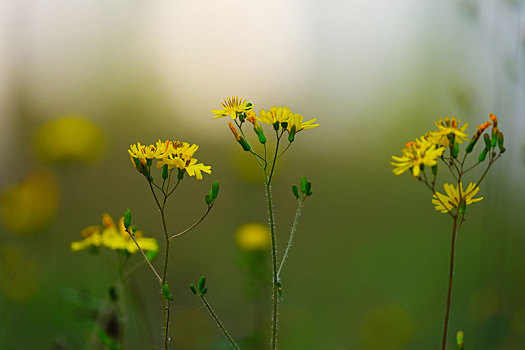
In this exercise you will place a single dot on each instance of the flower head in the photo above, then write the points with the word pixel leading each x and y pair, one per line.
pixel 445 203
pixel 275 115
pixel 232 106
pixel 252 237
pixel 448 126
pixel 113 237
pixel 296 120
pixel 415 154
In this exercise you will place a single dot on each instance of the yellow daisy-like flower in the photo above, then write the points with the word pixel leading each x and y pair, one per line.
pixel 275 114
pixel 415 154
pixel 180 155
pixel 113 237
pixel 445 203
pixel 448 126
pixel 231 106
pixel 144 152
pixel 296 120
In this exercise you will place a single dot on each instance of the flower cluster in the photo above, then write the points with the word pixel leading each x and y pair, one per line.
pixel 281 118
pixel 431 147
pixel 169 154
pixel 114 237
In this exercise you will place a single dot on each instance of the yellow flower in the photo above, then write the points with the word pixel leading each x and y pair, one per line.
pixel 144 152
pixel 297 121
pixel 70 138
pixel 232 106
pixel 415 154
pixel 275 114
pixel 180 155
pixel 445 203
pixel 445 127
pixel 113 237
pixel 252 237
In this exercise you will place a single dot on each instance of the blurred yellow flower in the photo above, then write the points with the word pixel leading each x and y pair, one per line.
pixel 113 237
pixel 296 120
pixel 275 114
pixel 252 237
pixel 231 106
pixel 69 138
pixel 445 203
pixel 31 205
pixel 446 127
pixel 415 154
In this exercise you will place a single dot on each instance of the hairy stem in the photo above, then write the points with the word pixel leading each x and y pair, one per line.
pixel 455 229
pixel 275 300
pixel 292 234
pixel 219 323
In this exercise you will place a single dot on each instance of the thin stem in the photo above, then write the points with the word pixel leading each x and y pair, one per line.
pixel 487 169
pixel 219 323
pixel 274 157
pixel 455 229
pixel 192 226
pixel 145 257
pixel 275 301
pixel 174 187
pixel 292 233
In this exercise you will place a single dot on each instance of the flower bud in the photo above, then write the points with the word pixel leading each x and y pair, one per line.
pixel 215 189
pixel 487 140
pixel 472 143
pixel 291 134
pixel 304 181
pixel 202 284
pixel 127 218
pixel 193 289
pixel 500 140
pixel 295 191
pixel 460 341
pixel 483 154
pixel 455 150
pixel 166 292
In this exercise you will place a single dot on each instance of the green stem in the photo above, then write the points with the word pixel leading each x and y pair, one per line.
pixel 455 229
pixel 275 300
pixel 292 233
pixel 219 323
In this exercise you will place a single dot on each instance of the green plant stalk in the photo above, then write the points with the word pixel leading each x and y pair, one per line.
pixel 292 234
pixel 275 300
pixel 219 323
pixel 455 229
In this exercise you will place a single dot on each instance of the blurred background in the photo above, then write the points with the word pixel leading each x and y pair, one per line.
pixel 82 80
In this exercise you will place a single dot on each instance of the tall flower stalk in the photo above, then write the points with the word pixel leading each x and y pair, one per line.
pixel 285 125
pixel 443 145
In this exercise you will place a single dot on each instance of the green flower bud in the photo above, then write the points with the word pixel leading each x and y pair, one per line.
pixel 471 144
pixel 215 189
pixel 180 174
pixel 455 150
pixel 308 188
pixel 245 145
pixel 202 283
pixel 134 228
pixel 165 172
pixel 500 140
pixel 291 134
pixel 460 341
pixel 502 150
pixel 167 293
pixel 260 133
pixel 127 218
pixel 486 138
pixel 204 290
pixel 193 289
pixel 295 191
pixel 208 199
pixel 483 154
pixel 304 181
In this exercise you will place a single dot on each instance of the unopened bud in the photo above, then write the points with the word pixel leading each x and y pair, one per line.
pixel 500 140
pixel 304 182
pixel 291 134
pixel 127 218
pixel 483 154
pixel 193 289
pixel 295 191
pixel 215 189
pixel 245 145
pixel 455 150
pixel 460 341
pixel 486 138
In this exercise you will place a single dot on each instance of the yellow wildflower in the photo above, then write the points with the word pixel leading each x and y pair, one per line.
pixel 180 155
pixel 297 121
pixel 252 237
pixel 445 203
pixel 232 106
pixel 415 154
pixel 446 127
pixel 113 237
pixel 275 114
pixel 144 152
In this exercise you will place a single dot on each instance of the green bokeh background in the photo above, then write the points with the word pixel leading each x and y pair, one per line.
pixel 369 266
